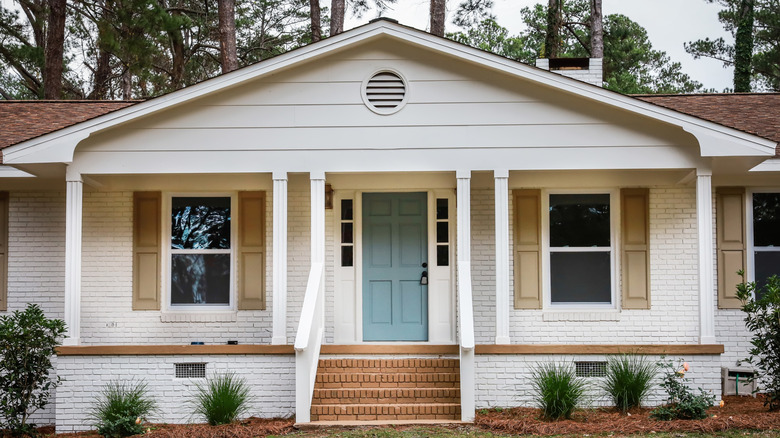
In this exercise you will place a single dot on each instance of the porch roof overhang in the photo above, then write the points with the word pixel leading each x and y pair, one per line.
pixel 714 140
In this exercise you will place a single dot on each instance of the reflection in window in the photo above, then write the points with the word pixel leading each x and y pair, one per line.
pixel 766 236
pixel 200 251
pixel 580 249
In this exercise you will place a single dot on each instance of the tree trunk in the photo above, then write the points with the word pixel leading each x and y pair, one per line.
pixel 316 29
pixel 596 30
pixel 127 84
pixel 102 73
pixel 227 35
pixel 438 16
pixel 743 47
pixel 336 17
pixel 554 18
pixel 55 47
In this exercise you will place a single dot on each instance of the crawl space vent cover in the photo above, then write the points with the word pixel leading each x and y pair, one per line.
pixel 385 92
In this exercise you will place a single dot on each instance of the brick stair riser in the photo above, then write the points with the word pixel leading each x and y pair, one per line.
pixel 387 364
pixel 385 412
pixel 388 395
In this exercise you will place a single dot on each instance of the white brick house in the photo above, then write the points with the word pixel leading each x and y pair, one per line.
pixel 438 201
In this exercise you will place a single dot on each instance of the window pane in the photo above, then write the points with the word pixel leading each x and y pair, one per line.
pixel 580 277
pixel 442 232
pixel 766 219
pixel 346 209
pixel 200 223
pixel 200 279
pixel 767 265
pixel 346 256
pixel 441 208
pixel 346 232
pixel 579 220
pixel 442 255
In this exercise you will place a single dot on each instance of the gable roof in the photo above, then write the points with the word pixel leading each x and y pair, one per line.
pixel 714 139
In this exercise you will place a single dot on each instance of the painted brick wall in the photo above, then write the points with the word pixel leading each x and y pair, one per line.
pixel 674 287
pixel 107 262
pixel 506 381
pixel 272 379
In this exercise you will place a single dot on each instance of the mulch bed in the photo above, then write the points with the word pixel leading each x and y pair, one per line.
pixel 251 427
pixel 737 413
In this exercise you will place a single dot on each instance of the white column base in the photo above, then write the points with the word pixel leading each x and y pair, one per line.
pixel 502 340
pixel 708 340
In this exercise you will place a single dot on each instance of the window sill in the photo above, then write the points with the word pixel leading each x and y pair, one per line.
pixel 551 316
pixel 184 316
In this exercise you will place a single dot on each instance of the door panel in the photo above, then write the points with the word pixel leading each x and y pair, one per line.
pixel 395 246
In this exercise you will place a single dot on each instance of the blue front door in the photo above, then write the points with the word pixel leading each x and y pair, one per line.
pixel 395 248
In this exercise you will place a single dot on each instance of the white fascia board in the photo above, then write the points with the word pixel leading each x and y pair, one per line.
pixel 714 139
pixel 770 165
pixel 11 172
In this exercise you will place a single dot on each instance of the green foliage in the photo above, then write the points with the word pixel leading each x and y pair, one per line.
pixel 122 408
pixel 762 309
pixel 27 341
pixel 682 403
pixel 629 379
pixel 743 47
pixel 557 389
pixel 223 399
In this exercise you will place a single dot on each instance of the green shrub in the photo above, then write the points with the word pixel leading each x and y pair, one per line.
pixel 122 408
pixel 763 319
pixel 682 403
pixel 629 379
pixel 27 341
pixel 557 389
pixel 223 399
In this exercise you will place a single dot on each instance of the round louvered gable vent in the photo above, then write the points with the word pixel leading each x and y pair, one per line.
pixel 385 92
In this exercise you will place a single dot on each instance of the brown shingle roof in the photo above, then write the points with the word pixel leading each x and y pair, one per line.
pixel 754 113
pixel 22 120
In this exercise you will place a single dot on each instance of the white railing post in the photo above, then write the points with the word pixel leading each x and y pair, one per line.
pixel 465 309
pixel 502 255
pixel 74 211
pixel 279 280
pixel 706 258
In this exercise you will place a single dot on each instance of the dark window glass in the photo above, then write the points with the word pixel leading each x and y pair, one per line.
pixel 346 209
pixel 580 220
pixel 200 223
pixel 766 219
pixel 200 279
pixel 442 211
pixel 767 264
pixel 346 256
pixel 442 232
pixel 580 277
pixel 346 232
pixel 442 255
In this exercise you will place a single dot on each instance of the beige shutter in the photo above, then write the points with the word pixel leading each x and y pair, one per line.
pixel 251 250
pixel 528 248
pixel 634 248
pixel 3 251
pixel 147 249
pixel 730 229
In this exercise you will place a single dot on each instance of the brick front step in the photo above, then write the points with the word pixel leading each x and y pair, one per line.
pixel 416 411
pixel 389 365
pixel 386 395
pixel 373 380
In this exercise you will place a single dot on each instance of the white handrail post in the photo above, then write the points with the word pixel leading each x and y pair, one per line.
pixel 466 317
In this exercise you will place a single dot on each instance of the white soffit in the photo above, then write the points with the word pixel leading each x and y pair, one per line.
pixel 770 165
pixel 11 172
pixel 714 139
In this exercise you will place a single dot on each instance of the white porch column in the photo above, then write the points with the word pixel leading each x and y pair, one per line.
pixel 463 203
pixel 502 255
pixel 706 260
pixel 317 217
pixel 280 259
pixel 74 211
pixel 465 315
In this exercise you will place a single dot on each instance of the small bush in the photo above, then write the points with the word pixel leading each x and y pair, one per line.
pixel 682 403
pixel 27 341
pixel 629 379
pixel 557 389
pixel 762 308
pixel 223 399
pixel 122 408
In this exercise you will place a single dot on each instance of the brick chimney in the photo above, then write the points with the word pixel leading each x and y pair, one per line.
pixel 588 70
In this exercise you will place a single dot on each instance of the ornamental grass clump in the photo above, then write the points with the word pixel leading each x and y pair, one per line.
pixel 629 380
pixel 222 399
pixel 682 403
pixel 557 390
pixel 122 409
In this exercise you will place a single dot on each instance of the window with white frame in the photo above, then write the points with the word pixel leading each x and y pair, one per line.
pixel 580 249
pixel 200 251
pixel 766 236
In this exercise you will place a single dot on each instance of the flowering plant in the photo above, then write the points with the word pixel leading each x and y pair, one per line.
pixel 683 403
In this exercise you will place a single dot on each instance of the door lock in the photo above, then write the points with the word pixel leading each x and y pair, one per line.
pixel 424 278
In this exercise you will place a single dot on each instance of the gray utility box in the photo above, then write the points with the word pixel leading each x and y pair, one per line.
pixel 737 381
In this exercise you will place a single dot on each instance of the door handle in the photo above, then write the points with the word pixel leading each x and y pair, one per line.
pixel 424 278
